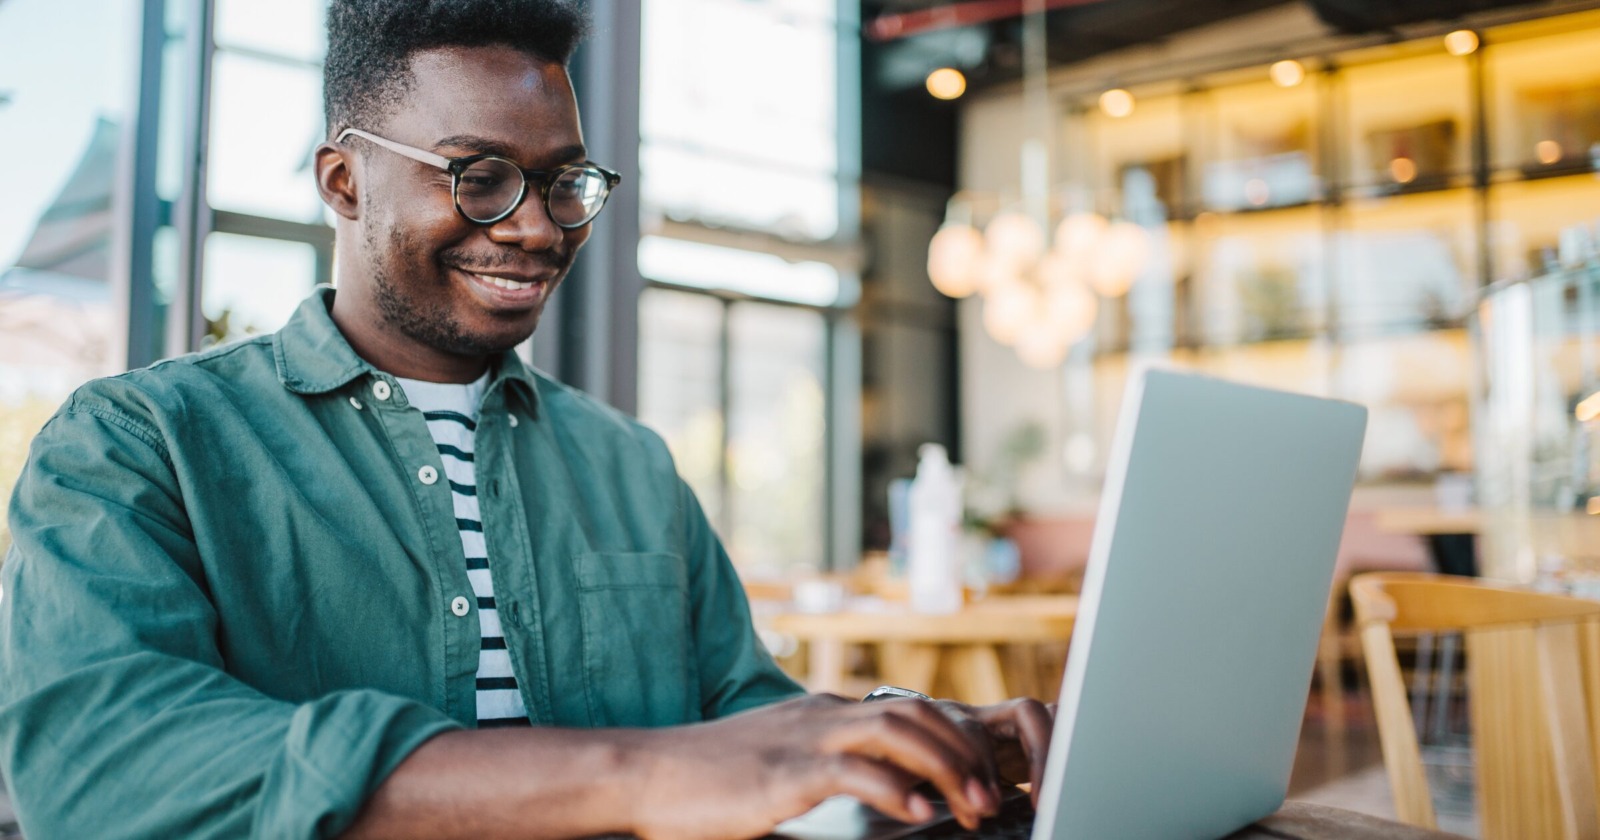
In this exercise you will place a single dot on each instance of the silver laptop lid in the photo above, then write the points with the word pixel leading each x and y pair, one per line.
pixel 1208 578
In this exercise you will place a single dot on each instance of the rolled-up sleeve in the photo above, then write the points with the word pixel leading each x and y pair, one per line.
pixel 117 715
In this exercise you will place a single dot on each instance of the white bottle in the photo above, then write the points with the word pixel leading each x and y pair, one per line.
pixel 934 553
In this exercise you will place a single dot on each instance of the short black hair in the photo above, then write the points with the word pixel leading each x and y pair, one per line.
pixel 371 42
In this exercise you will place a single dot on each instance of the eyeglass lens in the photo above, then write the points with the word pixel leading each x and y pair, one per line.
pixel 487 189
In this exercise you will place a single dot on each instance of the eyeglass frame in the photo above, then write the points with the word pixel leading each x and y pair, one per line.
pixel 457 165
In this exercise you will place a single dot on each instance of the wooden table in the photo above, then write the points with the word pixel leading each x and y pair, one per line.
pixel 1305 821
pixel 916 650
pixel 1294 821
pixel 1429 521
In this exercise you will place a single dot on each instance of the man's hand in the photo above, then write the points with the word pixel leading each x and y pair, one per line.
pixel 1016 735
pixel 742 775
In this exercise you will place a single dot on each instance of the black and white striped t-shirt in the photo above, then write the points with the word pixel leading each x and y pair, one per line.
pixel 452 415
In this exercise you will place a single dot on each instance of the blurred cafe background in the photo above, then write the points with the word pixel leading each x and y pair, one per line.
pixel 849 228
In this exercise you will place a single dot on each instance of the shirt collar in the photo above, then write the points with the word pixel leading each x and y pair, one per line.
pixel 314 358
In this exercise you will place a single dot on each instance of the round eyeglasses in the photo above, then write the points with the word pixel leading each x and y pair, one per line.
pixel 488 188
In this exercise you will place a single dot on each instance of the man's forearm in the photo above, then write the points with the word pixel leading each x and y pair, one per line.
pixel 523 783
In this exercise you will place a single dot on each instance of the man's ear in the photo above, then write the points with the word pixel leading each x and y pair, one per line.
pixel 336 179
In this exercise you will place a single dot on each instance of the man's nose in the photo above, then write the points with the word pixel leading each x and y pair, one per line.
pixel 530 227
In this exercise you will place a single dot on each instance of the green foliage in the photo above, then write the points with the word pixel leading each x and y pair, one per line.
pixel 18 424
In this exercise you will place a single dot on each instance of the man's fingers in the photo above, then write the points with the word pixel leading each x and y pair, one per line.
pixel 942 718
pixel 1034 727
pixel 884 787
pixel 977 735
pixel 1026 724
pixel 897 740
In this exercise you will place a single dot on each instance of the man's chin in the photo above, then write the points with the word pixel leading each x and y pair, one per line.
pixel 488 345
pixel 505 335
pixel 474 343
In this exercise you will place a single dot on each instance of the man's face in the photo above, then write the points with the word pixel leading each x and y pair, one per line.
pixel 436 278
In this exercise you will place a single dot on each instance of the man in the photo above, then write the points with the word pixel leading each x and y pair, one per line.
pixel 321 582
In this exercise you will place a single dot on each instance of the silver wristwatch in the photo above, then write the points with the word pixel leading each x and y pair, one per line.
pixel 889 692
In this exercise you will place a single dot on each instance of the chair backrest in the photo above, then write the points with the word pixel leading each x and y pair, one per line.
pixel 1533 683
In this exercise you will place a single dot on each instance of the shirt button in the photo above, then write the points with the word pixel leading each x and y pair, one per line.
pixel 427 475
pixel 513 421
pixel 355 402
pixel 460 606
pixel 381 390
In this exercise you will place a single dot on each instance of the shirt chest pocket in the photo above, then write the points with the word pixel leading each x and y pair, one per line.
pixel 638 643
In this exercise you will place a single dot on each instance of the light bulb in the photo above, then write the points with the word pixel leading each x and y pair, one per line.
pixel 1042 347
pixel 1079 234
pixel 1461 42
pixel 1071 308
pixel 946 83
pixel 1007 310
pixel 1057 270
pixel 1014 239
pixel 1116 103
pixel 1403 170
pixel 955 260
pixel 1548 151
pixel 1121 257
pixel 1287 73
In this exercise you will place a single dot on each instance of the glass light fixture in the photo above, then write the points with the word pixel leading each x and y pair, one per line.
pixel 1042 347
pixel 1014 238
pixel 1008 308
pixel 1116 103
pixel 946 83
pixel 1070 308
pixel 1078 234
pixel 955 260
pixel 1548 152
pixel 1403 170
pixel 1120 258
pixel 1287 73
pixel 1461 42
pixel 1038 272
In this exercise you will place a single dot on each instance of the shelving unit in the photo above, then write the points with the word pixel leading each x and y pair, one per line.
pixel 1334 236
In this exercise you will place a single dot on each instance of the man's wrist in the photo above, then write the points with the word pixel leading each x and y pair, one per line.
pixel 637 757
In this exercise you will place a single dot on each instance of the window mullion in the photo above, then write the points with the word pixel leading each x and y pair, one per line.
pixel 725 406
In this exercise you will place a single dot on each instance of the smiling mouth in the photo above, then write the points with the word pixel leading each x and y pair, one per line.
pixel 499 292
pixel 503 282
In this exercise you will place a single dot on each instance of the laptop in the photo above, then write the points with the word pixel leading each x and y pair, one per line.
pixel 1197 629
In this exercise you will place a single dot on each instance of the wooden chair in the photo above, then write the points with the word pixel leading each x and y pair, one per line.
pixel 1533 683
pixel 1365 546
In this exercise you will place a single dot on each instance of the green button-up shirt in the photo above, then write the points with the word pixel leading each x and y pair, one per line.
pixel 228 608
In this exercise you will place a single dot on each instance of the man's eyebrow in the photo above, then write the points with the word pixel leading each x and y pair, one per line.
pixel 485 146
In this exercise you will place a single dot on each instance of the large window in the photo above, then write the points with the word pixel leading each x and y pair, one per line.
pixel 64 119
pixel 270 244
pixel 739 391
pixel 110 253
pixel 748 210
pixel 776 457
pixel 756 148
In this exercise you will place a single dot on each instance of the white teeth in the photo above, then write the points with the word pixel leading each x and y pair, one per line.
pixel 503 283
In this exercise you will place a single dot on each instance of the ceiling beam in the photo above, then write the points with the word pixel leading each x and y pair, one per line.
pixel 970 13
